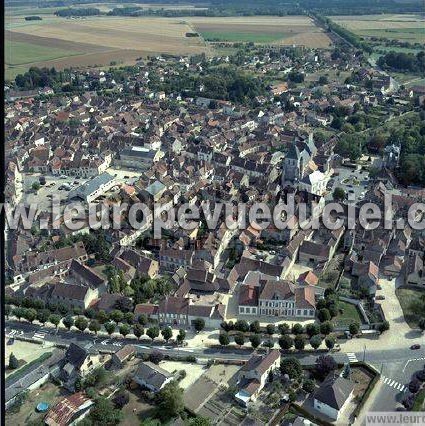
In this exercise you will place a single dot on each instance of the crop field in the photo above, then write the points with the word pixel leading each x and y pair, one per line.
pixel 408 28
pixel 103 40
pixel 288 30
pixel 94 41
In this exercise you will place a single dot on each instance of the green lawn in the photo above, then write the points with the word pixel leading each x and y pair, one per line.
pixel 407 296
pixel 403 34
pixel 242 36
pixel 350 314
pixel 418 405
pixel 20 53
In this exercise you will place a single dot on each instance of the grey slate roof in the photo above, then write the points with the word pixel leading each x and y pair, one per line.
pixel 334 391
pixel 152 374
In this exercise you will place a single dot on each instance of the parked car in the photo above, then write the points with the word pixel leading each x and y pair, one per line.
pixel 380 297
pixel 413 347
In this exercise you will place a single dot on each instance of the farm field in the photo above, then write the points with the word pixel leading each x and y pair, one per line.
pixel 298 30
pixel 95 41
pixel 410 28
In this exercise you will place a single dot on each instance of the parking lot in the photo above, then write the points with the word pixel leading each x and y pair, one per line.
pixel 353 181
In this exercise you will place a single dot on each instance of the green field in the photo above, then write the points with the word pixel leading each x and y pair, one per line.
pixel 413 35
pixel 350 314
pixel 20 53
pixel 241 36
pixel 406 297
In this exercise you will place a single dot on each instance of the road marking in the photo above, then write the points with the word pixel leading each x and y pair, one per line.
pixel 12 333
pixel 117 344
pixel 104 342
pixel 39 335
pixel 352 357
pixel 394 384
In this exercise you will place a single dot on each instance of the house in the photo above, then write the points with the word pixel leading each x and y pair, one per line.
pixel 254 374
pixel 69 410
pixel 77 363
pixel 122 355
pixel 279 298
pixel 31 378
pixel 151 376
pixel 170 260
pixel 415 271
pixel 72 295
pixel 333 396
pixel 176 310
pixel 367 274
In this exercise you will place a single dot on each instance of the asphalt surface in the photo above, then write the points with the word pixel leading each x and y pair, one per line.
pixel 396 366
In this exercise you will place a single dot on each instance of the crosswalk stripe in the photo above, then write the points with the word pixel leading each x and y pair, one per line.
pixel 387 380
pixel 392 382
pixel 400 387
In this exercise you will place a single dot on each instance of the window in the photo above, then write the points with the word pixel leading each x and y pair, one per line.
pixel 241 309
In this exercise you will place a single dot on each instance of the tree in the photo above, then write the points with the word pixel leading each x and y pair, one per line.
pixel 94 326
pixel 200 421
pixel 13 362
pixel 283 328
pixel 102 316
pixel 30 314
pixel 152 332
pixel 297 328
pixel 254 327
pixel 223 339
pixel 255 340
pixel 81 323
pixel 338 194
pixel 354 328
pixel 421 324
pixel 110 327
pixel 312 329
pixel 43 315
pixel 198 324
pixel 19 313
pixel 181 336
pixel 268 343
pixel 330 342
pixel 124 329
pixel 384 326
pixel 270 329
pixel 326 328
pixel 55 320
pixel 129 317
pixel 309 385
pixel 35 186
pixel 286 342
pixel 292 367
pixel 299 342
pixel 167 333
pixel 7 311
pixel 156 357
pixel 239 339
pixel 325 364
pixel 170 401
pixel 324 315
pixel 138 331
pixel 68 322
pixel 315 341
pixel 104 413
pixel 242 326
pixel 142 320
pixel 121 399
pixel 116 316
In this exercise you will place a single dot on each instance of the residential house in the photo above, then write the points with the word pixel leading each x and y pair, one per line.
pixel 254 375
pixel 333 395
pixel 151 376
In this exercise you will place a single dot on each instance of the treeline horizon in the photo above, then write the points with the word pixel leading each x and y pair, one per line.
pixel 252 7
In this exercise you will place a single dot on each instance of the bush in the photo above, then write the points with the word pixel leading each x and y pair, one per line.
pixel 309 385
pixel 299 342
